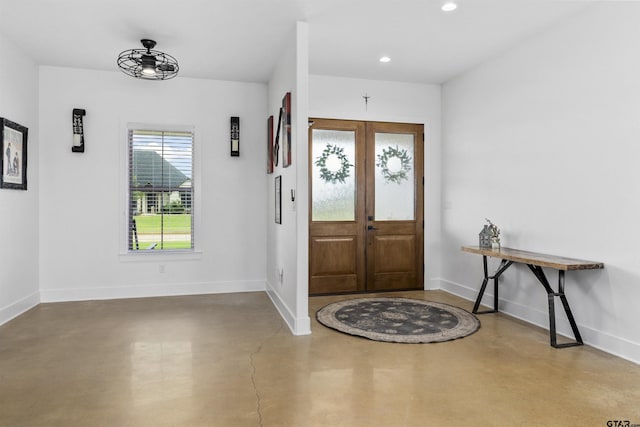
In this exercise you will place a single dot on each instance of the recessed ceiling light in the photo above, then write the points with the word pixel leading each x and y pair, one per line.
pixel 449 6
pixel 385 59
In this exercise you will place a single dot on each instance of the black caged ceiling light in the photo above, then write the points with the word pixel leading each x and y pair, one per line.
pixel 147 63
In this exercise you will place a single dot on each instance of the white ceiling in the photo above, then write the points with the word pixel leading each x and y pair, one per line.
pixel 242 39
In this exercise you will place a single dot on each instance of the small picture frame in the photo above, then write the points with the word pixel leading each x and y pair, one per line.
pixel 13 162
pixel 278 205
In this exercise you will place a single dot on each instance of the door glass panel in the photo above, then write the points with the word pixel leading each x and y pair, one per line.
pixel 394 177
pixel 333 182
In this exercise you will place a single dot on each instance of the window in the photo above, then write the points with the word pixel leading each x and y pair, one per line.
pixel 160 190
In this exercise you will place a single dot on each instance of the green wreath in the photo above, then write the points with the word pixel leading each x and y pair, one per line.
pixel 333 176
pixel 397 175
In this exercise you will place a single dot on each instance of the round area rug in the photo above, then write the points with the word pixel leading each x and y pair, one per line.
pixel 401 320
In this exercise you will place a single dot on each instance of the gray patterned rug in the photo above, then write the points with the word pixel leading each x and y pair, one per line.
pixel 401 320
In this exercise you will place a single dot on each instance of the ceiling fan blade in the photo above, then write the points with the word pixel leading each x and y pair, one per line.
pixel 166 67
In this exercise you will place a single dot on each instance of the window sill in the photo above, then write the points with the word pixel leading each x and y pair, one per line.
pixel 155 256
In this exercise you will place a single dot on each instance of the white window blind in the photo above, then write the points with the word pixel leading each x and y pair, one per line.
pixel 160 190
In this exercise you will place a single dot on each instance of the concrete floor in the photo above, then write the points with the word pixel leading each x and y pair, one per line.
pixel 228 360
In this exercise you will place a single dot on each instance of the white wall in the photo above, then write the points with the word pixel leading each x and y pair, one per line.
pixel 287 243
pixel 544 140
pixel 19 209
pixel 82 205
pixel 342 98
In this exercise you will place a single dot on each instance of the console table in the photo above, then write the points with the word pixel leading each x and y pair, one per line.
pixel 535 262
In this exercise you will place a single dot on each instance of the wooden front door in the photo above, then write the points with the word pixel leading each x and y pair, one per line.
pixel 366 210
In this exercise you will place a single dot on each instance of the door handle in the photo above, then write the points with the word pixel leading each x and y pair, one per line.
pixel 371 227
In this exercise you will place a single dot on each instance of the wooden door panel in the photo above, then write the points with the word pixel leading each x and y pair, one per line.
pixel 395 227
pixel 391 281
pixel 334 285
pixel 334 256
pixel 336 264
pixel 395 254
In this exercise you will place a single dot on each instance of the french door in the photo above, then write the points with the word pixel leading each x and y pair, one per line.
pixel 366 207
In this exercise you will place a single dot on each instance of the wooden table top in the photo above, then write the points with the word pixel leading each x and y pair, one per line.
pixel 534 258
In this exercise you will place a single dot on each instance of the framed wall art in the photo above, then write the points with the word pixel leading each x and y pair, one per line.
pixel 278 192
pixel 276 144
pixel 286 143
pixel 14 155
pixel 270 144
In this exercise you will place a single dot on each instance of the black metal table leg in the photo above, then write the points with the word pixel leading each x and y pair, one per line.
pixel 542 278
pixel 567 310
pixel 485 280
pixel 504 264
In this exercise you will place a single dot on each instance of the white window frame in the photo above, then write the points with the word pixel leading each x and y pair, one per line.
pixel 152 255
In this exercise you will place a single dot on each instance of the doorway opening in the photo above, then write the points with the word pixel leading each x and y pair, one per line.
pixel 366 225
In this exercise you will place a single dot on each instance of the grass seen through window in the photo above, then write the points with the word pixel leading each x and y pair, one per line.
pixel 166 231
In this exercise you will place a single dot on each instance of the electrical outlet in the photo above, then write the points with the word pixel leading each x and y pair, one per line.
pixel 161 268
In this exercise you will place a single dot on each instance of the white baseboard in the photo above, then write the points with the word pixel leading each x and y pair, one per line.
pixel 298 326
pixel 16 308
pixel 142 291
pixel 432 284
pixel 604 341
